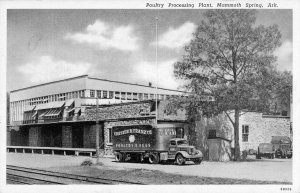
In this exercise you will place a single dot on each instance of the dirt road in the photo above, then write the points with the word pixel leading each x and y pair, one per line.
pixel 266 170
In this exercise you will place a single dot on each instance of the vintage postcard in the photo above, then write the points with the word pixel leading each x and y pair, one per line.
pixel 193 96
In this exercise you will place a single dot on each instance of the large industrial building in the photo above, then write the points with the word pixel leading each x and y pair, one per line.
pixel 61 114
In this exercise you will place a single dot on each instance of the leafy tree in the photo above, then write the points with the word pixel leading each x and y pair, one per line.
pixel 229 58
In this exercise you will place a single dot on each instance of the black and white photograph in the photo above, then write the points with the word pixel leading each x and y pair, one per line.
pixel 180 94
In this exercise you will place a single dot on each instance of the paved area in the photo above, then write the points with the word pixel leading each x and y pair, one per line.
pixel 267 170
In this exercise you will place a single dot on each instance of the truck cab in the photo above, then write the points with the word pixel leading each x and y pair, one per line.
pixel 283 146
pixel 265 150
pixel 181 151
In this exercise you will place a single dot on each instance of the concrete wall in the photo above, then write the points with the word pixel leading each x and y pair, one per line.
pixel 219 150
pixel 56 87
pixel 200 130
pixel 8 137
pixel 35 136
pixel 100 84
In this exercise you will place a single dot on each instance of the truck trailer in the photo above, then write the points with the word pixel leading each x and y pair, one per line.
pixel 152 144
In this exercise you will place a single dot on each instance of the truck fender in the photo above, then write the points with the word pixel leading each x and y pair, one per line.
pixel 183 153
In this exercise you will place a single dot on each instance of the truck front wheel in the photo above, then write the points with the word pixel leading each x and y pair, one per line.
pixel 180 160
pixel 153 159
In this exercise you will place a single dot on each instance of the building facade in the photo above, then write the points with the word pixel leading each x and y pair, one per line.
pixel 63 113
pixel 73 94
pixel 254 128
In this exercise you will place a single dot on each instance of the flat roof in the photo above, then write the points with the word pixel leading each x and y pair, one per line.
pixel 87 76
pixel 47 83
pixel 134 84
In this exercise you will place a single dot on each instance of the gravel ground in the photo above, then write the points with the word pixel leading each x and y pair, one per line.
pixel 279 170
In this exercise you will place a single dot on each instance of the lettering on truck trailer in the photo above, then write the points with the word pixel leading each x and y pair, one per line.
pixel 127 131
pixel 137 145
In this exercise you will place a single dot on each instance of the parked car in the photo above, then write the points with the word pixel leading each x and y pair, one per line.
pixel 265 150
pixel 283 146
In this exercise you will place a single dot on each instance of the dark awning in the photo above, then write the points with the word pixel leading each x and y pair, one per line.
pixel 34 114
pixel 57 104
pixel 43 106
pixel 54 112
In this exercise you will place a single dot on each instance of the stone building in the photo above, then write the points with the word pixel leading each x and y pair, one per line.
pixel 254 128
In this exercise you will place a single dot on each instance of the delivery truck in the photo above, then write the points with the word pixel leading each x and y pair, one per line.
pixel 152 144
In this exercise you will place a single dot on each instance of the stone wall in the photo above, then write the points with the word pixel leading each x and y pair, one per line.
pixel 35 136
pixel 119 111
pixel 180 114
pixel 262 128
pixel 66 136
pixel 134 110
pixel 108 148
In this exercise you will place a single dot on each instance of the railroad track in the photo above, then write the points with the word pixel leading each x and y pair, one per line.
pixel 24 175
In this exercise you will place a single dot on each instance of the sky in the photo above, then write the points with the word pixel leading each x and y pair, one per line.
pixel 48 45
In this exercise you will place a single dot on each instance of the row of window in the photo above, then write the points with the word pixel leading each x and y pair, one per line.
pixel 57 97
pixel 125 95
pixel 17 109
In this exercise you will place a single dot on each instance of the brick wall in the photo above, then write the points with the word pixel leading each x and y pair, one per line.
pixel 66 136
pixel 8 138
pixel 89 136
pixel 35 136
pixel 86 136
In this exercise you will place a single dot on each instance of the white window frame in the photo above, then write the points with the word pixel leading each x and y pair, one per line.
pixel 244 133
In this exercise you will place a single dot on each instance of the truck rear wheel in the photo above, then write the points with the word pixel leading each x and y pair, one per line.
pixel 180 160
pixel 197 161
pixel 153 159
pixel 120 157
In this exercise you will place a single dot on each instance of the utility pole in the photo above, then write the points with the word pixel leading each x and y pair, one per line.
pixel 97 132
pixel 156 55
